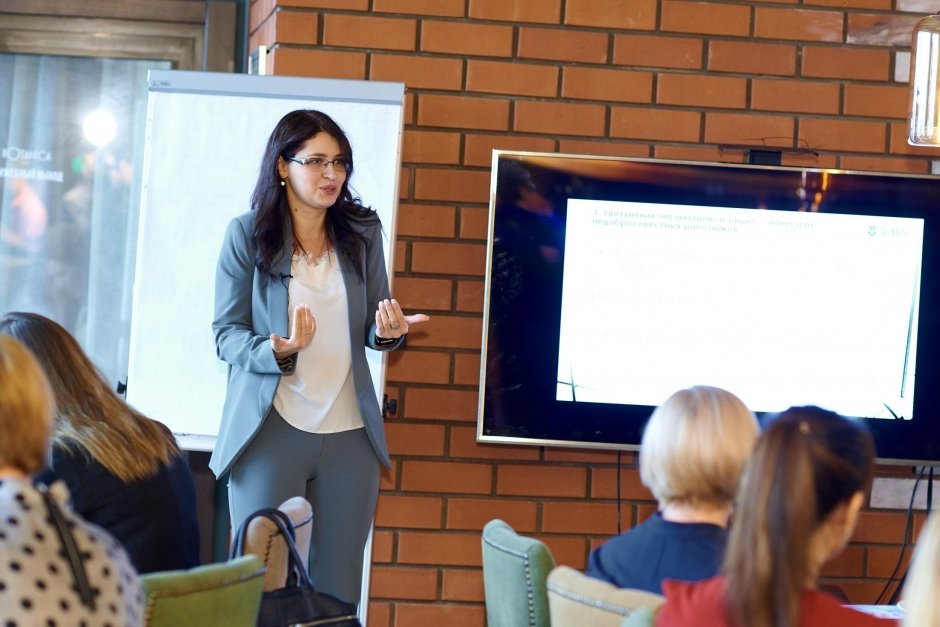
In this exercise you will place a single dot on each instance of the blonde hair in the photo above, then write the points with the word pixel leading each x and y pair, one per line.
pixel 90 414
pixel 921 603
pixel 695 447
pixel 26 408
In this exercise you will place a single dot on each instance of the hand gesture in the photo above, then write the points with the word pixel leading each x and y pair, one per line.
pixel 302 328
pixel 390 322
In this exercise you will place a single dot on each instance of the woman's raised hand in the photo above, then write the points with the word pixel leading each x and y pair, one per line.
pixel 302 328
pixel 390 322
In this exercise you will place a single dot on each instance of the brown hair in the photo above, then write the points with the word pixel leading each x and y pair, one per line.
pixel 91 415
pixel 808 462
pixel 26 408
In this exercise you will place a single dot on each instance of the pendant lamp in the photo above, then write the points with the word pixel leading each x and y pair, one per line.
pixel 925 78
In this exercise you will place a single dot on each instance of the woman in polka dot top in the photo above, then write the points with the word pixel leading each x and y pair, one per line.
pixel 37 586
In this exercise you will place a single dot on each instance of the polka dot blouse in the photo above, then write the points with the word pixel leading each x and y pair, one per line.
pixel 37 588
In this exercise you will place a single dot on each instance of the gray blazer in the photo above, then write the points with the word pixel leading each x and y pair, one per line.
pixel 249 308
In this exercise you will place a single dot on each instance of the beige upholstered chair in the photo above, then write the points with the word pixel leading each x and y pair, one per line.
pixel 574 599
pixel 264 540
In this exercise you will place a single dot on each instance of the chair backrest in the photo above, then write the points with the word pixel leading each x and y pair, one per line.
pixel 228 593
pixel 575 599
pixel 515 569
pixel 264 540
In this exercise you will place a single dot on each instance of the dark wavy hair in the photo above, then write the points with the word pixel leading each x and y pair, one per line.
pixel 269 199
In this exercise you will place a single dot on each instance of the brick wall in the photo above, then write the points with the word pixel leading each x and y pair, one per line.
pixel 640 78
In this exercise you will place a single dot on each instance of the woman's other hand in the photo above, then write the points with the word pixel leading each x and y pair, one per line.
pixel 390 322
pixel 303 326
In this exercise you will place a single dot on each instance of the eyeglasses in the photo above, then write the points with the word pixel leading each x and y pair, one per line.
pixel 339 165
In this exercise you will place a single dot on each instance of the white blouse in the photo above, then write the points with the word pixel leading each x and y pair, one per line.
pixel 320 397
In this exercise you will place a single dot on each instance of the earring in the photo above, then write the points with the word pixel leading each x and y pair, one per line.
pixel 283 184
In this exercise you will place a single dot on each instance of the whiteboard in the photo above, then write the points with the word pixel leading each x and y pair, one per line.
pixel 205 137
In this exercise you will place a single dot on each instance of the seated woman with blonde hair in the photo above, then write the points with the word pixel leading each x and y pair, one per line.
pixel 125 471
pixel 921 598
pixel 38 585
pixel 693 452
pixel 798 505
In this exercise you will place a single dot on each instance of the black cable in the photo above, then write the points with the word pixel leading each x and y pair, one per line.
pixel 897 590
pixel 907 530
pixel 619 522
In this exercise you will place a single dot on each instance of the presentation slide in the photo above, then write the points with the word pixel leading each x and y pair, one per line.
pixel 781 308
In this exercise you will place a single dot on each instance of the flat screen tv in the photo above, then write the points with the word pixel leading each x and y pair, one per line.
pixel 612 283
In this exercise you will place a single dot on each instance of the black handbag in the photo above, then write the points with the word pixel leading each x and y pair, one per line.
pixel 297 604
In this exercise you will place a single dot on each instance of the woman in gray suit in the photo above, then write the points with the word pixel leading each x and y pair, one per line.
pixel 301 291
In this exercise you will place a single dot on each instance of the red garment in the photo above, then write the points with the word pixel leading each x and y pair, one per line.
pixel 703 604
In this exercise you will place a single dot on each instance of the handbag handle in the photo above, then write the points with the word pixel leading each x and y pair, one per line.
pixel 297 574
pixel 69 548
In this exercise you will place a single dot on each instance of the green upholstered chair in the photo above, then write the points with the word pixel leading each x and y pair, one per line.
pixel 228 593
pixel 574 600
pixel 515 569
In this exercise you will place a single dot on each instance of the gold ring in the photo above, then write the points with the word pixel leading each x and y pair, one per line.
pixel 395 326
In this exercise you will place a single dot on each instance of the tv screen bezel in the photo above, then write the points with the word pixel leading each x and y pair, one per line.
pixel 904 442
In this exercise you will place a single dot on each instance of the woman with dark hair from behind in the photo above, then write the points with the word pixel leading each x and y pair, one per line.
pixel 125 471
pixel 798 505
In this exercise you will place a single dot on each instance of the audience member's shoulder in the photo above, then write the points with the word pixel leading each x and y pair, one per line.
pixel 700 603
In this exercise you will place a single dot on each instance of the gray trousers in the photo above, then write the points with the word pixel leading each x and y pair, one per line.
pixel 337 472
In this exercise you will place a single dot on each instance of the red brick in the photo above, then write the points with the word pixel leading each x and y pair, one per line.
pixel 900 146
pixel 389 477
pixel 647 51
pixel 467 369
pixel 584 455
pixel 465 259
pixel 798 24
pixel 380 614
pixel 859 591
pixel 529 480
pixel 440 403
pixel 449 477
pixel 579 517
pixel 879 528
pixel 359 31
pixel 463 444
pixel 462 584
pixel 450 332
pixel 317 63
pixel 454 185
pixel 706 18
pixel 655 123
pixel 424 294
pixel 478 149
pixel 881 29
pixel 755 130
pixel 418 366
pixel 484 40
pixel 414 584
pixel 846 63
pixel 383 546
pixel 696 90
pixel 543 11
pixel 604 84
pixel 520 79
pixel 852 4
pixel 849 563
pixel 796 96
pixel 604 485
pixel 412 439
pixel 879 101
pixel 869 163
pixel 882 560
pixel 444 8
pixel 418 72
pixel 843 135
pixel 712 154
pixel 475 513
pixel 809 160
pixel 451 549
pixel 426 220
pixel 559 118
pixel 564 45
pixel 470 296
pixel 603 147
pixel 752 58
pixel 463 112
pixel 434 615
pixel 264 35
pixel 474 224
pixel 570 551
pixel 294 27
pixel 410 512
pixel 611 14
pixel 409 114
pixel 350 5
